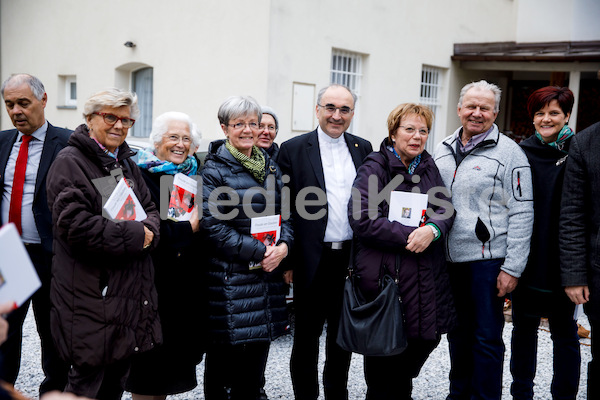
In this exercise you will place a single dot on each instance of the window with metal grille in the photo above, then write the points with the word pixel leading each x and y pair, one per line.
pixel 431 91
pixel 143 87
pixel 346 69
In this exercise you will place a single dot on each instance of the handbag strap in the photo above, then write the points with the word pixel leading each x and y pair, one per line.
pixel 351 259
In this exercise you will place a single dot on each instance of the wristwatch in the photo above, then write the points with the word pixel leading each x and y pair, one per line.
pixel 436 231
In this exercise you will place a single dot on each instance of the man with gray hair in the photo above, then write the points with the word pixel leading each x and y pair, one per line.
pixel 488 246
pixel 25 157
pixel 321 166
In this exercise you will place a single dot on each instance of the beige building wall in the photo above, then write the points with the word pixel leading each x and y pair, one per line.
pixel 203 51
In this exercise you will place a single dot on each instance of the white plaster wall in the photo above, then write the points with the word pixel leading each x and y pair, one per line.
pixel 202 51
pixel 397 37
pixel 558 20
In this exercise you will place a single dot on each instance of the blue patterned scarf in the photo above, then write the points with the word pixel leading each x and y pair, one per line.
pixel 148 160
pixel 412 166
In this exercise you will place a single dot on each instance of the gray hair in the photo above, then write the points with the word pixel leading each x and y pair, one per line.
pixel 112 97
pixel 483 85
pixel 322 92
pixel 237 106
pixel 36 86
pixel 161 126
pixel 271 112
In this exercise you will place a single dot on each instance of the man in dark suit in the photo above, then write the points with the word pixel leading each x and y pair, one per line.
pixel 321 166
pixel 579 235
pixel 26 205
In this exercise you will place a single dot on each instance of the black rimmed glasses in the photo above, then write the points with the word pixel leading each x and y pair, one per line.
pixel 111 119
pixel 331 109
pixel 242 125
pixel 412 130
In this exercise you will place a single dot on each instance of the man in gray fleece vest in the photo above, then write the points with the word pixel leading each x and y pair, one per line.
pixel 487 248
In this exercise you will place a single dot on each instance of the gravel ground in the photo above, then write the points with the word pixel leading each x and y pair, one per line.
pixel 432 383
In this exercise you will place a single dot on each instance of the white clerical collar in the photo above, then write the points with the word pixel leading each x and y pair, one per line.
pixel 326 138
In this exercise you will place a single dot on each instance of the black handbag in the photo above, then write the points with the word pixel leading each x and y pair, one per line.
pixel 374 328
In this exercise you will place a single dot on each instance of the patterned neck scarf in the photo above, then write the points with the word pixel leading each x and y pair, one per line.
pixel 147 160
pixel 412 166
pixel 254 164
pixel 564 134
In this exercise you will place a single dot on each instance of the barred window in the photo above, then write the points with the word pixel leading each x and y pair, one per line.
pixel 431 88
pixel 346 69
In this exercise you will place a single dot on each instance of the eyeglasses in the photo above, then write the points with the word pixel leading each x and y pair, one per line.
pixel 331 109
pixel 176 139
pixel 411 130
pixel 270 128
pixel 241 125
pixel 111 119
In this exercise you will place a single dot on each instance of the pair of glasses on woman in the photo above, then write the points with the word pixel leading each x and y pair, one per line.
pixel 111 119
pixel 241 125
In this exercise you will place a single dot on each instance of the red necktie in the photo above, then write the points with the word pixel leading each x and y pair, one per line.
pixel 16 198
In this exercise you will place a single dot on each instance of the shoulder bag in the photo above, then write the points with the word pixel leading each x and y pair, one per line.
pixel 374 328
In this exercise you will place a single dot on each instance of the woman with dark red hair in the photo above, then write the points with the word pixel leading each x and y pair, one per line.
pixel 540 293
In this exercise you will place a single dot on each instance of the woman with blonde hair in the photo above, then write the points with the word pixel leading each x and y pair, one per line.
pixel 104 303
pixel 412 255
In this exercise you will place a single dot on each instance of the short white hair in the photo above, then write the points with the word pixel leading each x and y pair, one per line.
pixel 483 85
pixel 161 126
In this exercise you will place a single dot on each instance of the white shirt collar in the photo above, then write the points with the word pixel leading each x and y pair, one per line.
pixel 39 134
pixel 326 138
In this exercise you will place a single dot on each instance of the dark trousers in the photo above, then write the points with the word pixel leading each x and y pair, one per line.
pixel 321 302
pixel 55 370
pixel 105 382
pixel 567 357
pixel 390 378
pixel 476 345
pixel 593 382
pixel 237 369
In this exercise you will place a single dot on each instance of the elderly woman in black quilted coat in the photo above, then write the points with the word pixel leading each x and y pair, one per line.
pixel 414 256
pixel 246 290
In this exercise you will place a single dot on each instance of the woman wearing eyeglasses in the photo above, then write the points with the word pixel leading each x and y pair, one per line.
pixel 246 292
pixel 170 368
pixel 269 126
pixel 104 303
pixel 412 252
pixel 540 292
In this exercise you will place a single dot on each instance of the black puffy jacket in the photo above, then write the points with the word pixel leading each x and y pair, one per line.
pixel 244 305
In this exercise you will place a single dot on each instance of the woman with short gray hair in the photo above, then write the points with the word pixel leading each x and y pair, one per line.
pixel 247 308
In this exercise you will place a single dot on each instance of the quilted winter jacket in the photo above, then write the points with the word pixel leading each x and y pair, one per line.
pixel 422 278
pixel 104 304
pixel 244 305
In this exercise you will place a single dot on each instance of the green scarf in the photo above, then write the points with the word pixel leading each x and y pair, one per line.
pixel 564 134
pixel 254 164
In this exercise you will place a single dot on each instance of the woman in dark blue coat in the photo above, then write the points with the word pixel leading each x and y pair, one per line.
pixel 414 256
pixel 246 291
pixel 540 292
